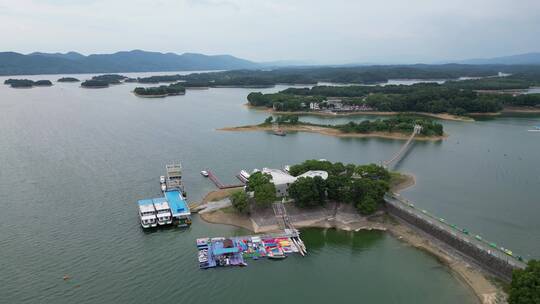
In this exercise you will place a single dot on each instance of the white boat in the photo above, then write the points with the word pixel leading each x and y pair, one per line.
pixel 204 173
pixel 244 174
pixel 536 129
pixel 163 211
pixel 163 187
pixel 147 214
pixel 287 168
pixel 162 179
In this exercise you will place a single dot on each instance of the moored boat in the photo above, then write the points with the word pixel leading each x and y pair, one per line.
pixel 204 173
pixel 163 211
pixel 147 214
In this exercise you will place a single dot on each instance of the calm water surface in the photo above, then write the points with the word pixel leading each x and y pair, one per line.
pixel 74 162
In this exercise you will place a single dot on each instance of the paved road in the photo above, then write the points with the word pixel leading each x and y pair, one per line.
pixel 440 223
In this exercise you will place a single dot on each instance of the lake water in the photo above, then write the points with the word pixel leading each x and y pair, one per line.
pixel 75 161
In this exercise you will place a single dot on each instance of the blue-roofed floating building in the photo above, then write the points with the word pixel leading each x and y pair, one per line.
pixel 179 207
pixel 170 209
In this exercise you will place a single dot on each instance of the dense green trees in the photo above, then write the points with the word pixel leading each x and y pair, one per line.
pixel 367 75
pixel 27 83
pixel 103 81
pixel 362 186
pixel 525 286
pixel 421 97
pixel 43 83
pixel 161 91
pixel 282 102
pixel 308 192
pixel 264 192
pixel 399 124
pixel 240 201
pixel 94 84
pixel 68 79
pixel 110 78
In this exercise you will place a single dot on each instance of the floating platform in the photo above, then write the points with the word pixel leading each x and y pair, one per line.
pixel 179 208
pixel 234 251
pixel 172 207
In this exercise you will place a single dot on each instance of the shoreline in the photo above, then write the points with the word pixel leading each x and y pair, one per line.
pixel 521 110
pixel 479 282
pixel 333 132
pixel 442 116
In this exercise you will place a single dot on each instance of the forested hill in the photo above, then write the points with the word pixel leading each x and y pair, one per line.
pixel 12 63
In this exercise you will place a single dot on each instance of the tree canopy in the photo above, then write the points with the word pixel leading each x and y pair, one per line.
pixel 172 89
pixel 363 186
pixel 240 202
pixel 264 192
pixel 525 286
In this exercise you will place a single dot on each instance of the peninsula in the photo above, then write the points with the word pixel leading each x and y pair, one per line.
pixel 454 100
pixel 399 127
pixel 335 195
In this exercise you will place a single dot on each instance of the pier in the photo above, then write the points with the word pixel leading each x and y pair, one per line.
pixel 221 185
pixel 493 258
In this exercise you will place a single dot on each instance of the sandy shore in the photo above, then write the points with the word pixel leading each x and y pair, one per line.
pixel 334 132
pixel 521 110
pixel 443 116
pixel 480 283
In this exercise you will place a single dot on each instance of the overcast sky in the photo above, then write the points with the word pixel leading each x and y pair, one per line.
pixel 337 31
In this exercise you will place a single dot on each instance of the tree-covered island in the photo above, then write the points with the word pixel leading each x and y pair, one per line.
pixel 26 83
pixel 103 81
pixel 68 79
pixel 161 91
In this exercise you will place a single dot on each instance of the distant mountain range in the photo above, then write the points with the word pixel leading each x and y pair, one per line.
pixel 528 58
pixel 12 63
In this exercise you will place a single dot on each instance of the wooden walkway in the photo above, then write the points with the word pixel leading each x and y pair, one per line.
pixel 219 184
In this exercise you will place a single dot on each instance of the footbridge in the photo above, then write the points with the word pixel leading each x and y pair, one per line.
pixel 495 259
pixel 399 154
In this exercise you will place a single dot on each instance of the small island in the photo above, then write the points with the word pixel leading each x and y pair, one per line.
pixel 399 127
pixel 161 91
pixel 68 79
pixel 26 83
pixel 43 83
pixel 103 81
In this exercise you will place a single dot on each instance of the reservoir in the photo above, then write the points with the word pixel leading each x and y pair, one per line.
pixel 74 162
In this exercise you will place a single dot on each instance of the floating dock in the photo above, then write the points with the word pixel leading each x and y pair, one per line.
pixel 172 207
pixel 235 251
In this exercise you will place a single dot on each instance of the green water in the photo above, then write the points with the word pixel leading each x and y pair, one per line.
pixel 74 161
